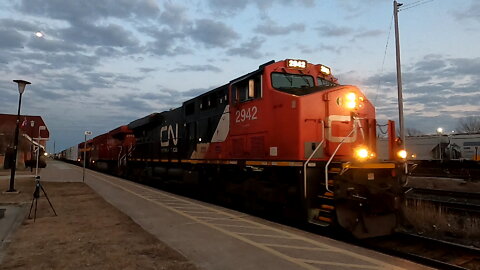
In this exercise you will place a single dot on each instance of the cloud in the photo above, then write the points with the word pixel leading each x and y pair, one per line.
pixel 146 69
pixel 184 68
pixel 335 31
pixel 212 33
pixel 174 16
pixel 52 45
pixel 470 13
pixel 11 39
pixel 166 42
pixel 88 11
pixel 248 49
pixel 271 28
pixel 330 30
pixel 368 34
pixel 435 87
pixel 18 25
pixel 231 7
pixel 99 35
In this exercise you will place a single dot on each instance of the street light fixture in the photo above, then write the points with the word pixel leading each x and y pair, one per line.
pixel 21 89
pixel 440 132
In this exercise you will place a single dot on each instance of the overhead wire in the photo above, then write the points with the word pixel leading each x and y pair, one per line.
pixel 383 61
pixel 414 4
pixel 404 7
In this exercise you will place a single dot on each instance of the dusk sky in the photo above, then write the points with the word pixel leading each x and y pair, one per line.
pixel 104 63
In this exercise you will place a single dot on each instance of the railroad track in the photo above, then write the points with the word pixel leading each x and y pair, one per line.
pixel 427 251
pixel 464 201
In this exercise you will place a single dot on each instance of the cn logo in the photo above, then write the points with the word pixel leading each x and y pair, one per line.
pixel 167 133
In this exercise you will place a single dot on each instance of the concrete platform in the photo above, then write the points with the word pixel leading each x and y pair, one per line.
pixel 14 215
pixel 213 237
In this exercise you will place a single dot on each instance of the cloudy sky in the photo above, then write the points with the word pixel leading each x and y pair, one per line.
pixel 104 63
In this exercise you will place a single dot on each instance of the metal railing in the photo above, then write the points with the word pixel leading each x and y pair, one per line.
pixel 333 155
pixel 309 158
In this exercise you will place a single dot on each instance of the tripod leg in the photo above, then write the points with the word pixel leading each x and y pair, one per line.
pixel 35 212
pixel 31 205
pixel 46 196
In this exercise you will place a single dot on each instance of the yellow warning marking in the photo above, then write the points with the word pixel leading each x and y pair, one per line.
pixel 256 163
pixel 189 207
pixel 217 218
pixel 369 165
pixel 298 247
pixel 328 194
pixel 195 212
pixel 326 219
pixel 236 226
pixel 266 235
pixel 326 206
pixel 346 265
pixel 303 263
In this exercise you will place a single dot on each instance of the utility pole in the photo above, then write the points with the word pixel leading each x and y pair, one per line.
pixel 399 76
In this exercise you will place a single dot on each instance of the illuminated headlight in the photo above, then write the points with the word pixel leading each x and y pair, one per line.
pixel 45 154
pixel 292 63
pixel 402 154
pixel 78 160
pixel 351 101
pixel 325 70
pixel 362 153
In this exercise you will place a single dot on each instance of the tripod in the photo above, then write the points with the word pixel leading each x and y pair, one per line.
pixel 36 195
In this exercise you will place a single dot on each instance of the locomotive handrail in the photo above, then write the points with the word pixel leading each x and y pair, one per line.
pixel 357 121
pixel 333 155
pixel 309 158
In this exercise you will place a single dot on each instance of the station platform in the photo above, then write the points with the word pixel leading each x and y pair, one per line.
pixel 213 237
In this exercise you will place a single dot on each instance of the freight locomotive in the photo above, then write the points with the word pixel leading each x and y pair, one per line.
pixel 286 137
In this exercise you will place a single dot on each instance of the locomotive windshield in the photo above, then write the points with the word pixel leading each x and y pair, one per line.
pixel 299 84
pixel 326 83
pixel 285 81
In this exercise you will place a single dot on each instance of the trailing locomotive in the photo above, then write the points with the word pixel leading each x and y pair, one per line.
pixel 285 137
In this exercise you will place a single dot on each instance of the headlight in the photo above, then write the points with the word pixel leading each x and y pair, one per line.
pixel 325 70
pixel 351 101
pixel 362 153
pixel 402 154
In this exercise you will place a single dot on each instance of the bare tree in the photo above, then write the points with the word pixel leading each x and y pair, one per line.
pixel 469 124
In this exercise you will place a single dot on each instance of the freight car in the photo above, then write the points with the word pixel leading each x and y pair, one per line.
pixel 286 136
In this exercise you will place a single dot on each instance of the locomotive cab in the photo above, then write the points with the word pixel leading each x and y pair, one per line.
pixel 301 114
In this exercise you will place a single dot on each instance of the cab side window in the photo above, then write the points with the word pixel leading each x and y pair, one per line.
pixel 246 90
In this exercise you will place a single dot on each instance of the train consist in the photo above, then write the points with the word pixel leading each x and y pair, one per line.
pixel 286 137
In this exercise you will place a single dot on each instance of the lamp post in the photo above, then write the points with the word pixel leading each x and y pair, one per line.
pixel 21 89
pixel 85 152
pixel 40 128
pixel 439 132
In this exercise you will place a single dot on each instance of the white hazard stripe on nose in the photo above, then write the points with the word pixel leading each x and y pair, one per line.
pixel 340 118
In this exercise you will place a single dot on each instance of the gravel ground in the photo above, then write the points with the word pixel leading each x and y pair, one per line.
pixel 88 233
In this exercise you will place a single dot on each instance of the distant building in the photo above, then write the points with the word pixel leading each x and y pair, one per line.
pixel 29 132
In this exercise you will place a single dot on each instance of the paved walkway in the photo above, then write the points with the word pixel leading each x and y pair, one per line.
pixel 213 237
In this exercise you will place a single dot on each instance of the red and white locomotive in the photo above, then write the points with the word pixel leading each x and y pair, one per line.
pixel 285 137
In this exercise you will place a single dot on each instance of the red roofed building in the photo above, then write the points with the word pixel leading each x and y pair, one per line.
pixel 29 132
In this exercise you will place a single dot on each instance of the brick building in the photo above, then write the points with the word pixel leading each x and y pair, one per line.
pixel 29 132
